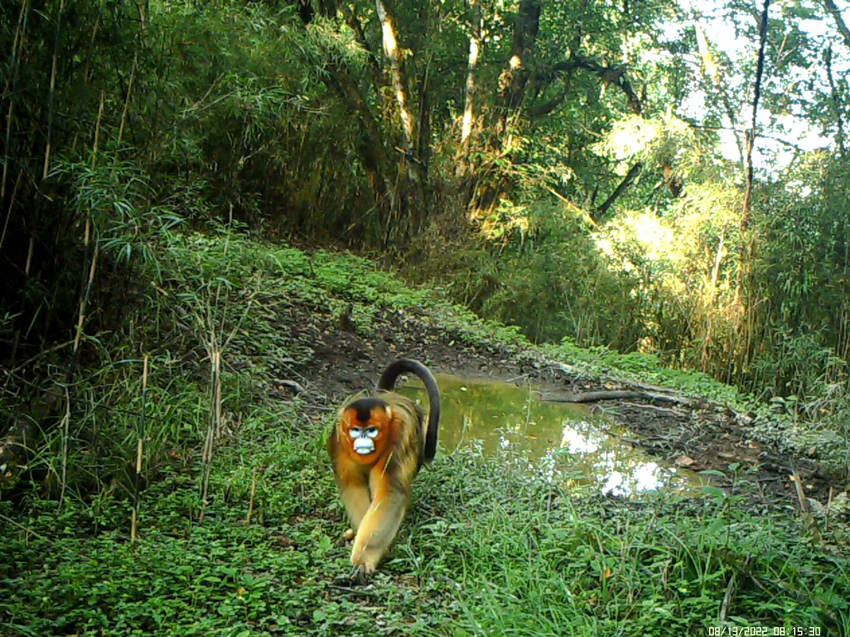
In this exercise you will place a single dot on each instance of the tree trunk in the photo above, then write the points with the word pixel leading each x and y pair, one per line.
pixel 712 293
pixel 514 78
pixel 746 325
pixel 836 102
pixel 511 89
pixel 407 192
pixel 371 149
pixel 395 60
pixel 745 253
pixel 602 209
pixel 475 41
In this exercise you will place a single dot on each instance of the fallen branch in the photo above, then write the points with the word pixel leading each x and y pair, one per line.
pixel 640 391
pixel 619 394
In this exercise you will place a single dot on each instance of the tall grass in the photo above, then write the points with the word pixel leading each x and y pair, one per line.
pixel 483 551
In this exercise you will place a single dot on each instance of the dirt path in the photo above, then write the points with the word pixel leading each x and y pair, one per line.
pixel 698 436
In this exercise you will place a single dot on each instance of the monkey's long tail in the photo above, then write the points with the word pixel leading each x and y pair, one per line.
pixel 387 382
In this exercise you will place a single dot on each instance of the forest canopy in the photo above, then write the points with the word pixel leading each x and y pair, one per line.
pixel 654 176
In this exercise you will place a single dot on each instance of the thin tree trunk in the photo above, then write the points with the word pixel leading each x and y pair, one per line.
pixel 469 105
pixel 11 85
pixel 394 57
pixel 743 304
pixel 51 99
pixel 371 150
pixel 423 150
pixel 836 102
pixel 406 204
pixel 352 21
pixel 745 253
pixel 602 209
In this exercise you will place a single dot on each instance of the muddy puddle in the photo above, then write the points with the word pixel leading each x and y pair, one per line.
pixel 562 442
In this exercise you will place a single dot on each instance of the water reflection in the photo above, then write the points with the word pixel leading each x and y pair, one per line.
pixel 558 441
pixel 618 467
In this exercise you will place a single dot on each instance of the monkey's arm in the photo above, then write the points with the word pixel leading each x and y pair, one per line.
pixel 352 483
pixel 355 497
pixel 380 524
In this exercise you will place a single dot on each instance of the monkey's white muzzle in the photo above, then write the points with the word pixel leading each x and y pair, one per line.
pixel 363 439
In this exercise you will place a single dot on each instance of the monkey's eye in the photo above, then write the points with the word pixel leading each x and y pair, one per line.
pixel 372 432
pixel 355 432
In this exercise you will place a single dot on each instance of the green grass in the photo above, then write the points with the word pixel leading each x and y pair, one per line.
pixel 488 548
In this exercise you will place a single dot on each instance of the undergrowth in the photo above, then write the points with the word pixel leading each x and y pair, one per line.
pixel 486 549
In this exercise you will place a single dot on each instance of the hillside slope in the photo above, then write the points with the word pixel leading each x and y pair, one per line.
pixel 486 548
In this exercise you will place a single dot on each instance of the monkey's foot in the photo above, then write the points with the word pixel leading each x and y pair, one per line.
pixel 365 559
pixel 361 573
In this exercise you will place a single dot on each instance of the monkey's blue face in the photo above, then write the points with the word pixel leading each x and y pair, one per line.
pixel 366 425
pixel 363 439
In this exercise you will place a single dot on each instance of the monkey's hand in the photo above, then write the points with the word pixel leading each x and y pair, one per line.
pixel 348 535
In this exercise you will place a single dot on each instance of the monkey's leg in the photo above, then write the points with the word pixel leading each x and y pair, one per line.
pixel 378 528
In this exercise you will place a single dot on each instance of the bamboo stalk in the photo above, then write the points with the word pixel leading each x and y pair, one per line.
pixel 11 206
pixel 215 342
pixel 251 499
pixel 801 494
pixel 97 130
pixel 51 100
pixel 87 70
pixel 140 448
pixel 30 250
pixel 66 430
pixel 826 515
pixel 126 98
pixel 134 520
pixel 84 300
pixel 727 598
pixel 86 284
pixel 17 46
pixel 214 420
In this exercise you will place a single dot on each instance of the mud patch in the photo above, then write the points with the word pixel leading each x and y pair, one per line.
pixel 714 439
